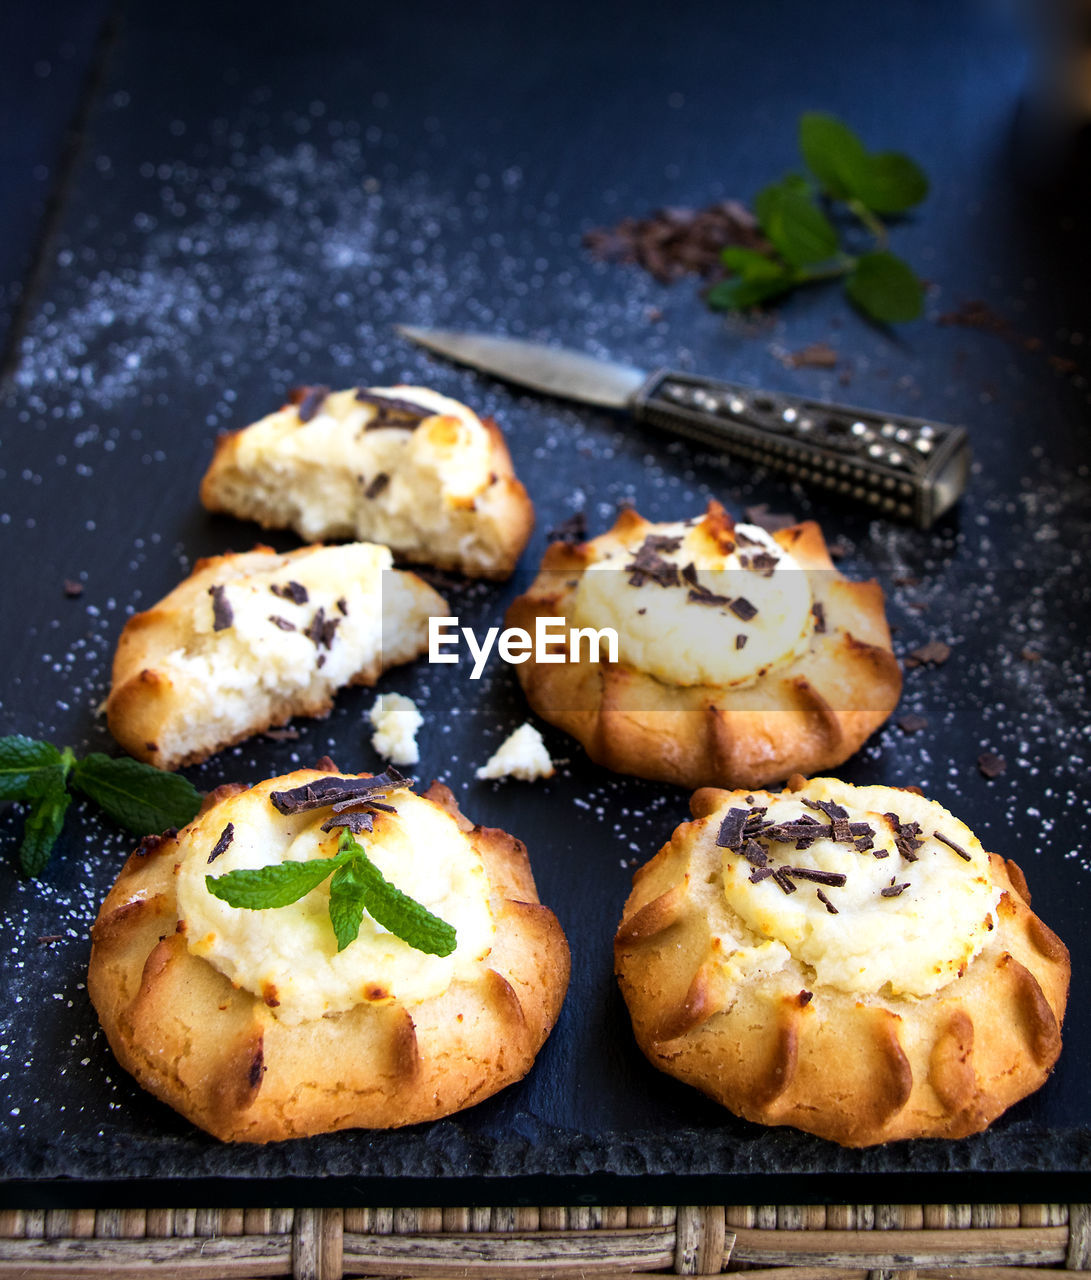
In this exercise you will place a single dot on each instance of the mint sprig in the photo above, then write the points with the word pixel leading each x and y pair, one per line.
pixel 805 244
pixel 357 886
pixel 138 797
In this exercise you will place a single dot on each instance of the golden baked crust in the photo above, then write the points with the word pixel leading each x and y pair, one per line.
pixel 217 1053
pixel 181 691
pixel 316 474
pixel 807 716
pixel 779 1048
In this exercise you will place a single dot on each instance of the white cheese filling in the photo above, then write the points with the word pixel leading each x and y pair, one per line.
pixel 759 617
pixel 288 955
pixel 910 942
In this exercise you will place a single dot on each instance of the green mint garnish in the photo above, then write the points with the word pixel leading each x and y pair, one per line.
pixel 357 886
pixel 140 798
pixel 805 246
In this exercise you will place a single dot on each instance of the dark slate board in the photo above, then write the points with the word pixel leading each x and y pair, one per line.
pixel 258 202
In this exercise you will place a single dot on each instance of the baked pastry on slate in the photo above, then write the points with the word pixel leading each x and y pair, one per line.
pixel 256 1026
pixel 743 656
pixel 416 471
pixel 248 641
pixel 846 960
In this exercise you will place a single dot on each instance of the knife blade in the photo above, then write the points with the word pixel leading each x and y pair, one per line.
pixel 911 469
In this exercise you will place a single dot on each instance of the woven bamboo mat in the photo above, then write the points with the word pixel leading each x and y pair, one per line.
pixel 784 1242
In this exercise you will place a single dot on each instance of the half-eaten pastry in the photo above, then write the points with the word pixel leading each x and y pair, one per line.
pixel 403 466
pixel 742 656
pixel 248 641
pixel 326 951
pixel 846 960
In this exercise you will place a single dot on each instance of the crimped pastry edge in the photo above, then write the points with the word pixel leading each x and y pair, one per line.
pixel 217 1055
pixel 805 717
pixel 857 1070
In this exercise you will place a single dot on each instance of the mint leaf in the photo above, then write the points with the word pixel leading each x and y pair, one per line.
pixel 750 264
pixel 885 288
pixel 737 295
pixel 49 799
pixel 890 183
pixel 141 798
pixel 798 229
pixel 832 152
pixel 260 888
pixel 21 757
pixel 404 916
pixel 347 895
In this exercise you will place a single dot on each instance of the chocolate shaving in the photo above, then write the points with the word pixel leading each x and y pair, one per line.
pixel 310 401
pixel 357 821
pixel 393 412
pixel 835 879
pixel 754 853
pixel 282 735
pixel 826 903
pixel 282 623
pixel 782 879
pixel 342 606
pixel 342 805
pixel 906 837
pixel 740 642
pixel 731 829
pixel 805 998
pixel 816 355
pixel 296 592
pixel 647 564
pixel 571 531
pixel 226 836
pixel 818 612
pixel 72 588
pixel 760 873
pixel 662 543
pixel 377 485
pixel 912 723
pixel 743 609
pixel 321 630
pixel 935 653
pixel 991 765
pixel 222 613
pixel 744 539
pixel 892 890
pixel 689 574
pixel 325 792
pixel 938 835
pixel 702 595
pixel 764 563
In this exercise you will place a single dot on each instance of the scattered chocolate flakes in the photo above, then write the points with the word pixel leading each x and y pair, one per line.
pixel 377 485
pixel 907 836
pixel 393 412
pixel 731 829
pixel 935 653
pixel 222 613
pixel 325 792
pixel 51 937
pixel 152 844
pixel 321 629
pixel 780 876
pixel 892 890
pixel 310 401
pixel 816 355
pixel 282 735
pixel 571 531
pixel 701 595
pixel 226 836
pixel 770 521
pixel 342 606
pixel 826 903
pixel 938 835
pixel 764 564
pixel 976 314
pixel 754 853
pixel 648 565
pixel 358 821
pixel 991 765
pixel 835 879
pixel 282 623
pixel 689 574
pixel 662 543
pixel 760 873
pixel 743 609
pixel 912 723
pixel 296 592
pixel 674 242
pixel 72 588
pixel 818 612
pixel 740 642
pixel 805 998
pixel 1030 655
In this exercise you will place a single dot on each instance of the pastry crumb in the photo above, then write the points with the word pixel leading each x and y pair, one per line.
pixel 521 755
pixel 396 721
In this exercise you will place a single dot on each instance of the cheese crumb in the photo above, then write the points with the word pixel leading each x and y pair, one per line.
pixel 396 720
pixel 521 755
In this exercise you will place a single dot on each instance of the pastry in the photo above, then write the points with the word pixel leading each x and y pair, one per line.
pixel 248 641
pixel 255 1026
pixel 743 656
pixel 846 960
pixel 416 471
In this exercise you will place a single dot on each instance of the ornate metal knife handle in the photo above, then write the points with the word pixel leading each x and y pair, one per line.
pixel 905 468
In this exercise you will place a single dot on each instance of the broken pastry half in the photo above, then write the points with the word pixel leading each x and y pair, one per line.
pixel 404 466
pixel 248 641
pixel 742 656
pixel 279 1021
pixel 846 960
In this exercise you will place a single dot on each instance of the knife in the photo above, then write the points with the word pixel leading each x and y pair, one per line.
pixel 911 469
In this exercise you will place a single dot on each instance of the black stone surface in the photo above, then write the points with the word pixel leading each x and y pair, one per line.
pixel 263 192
